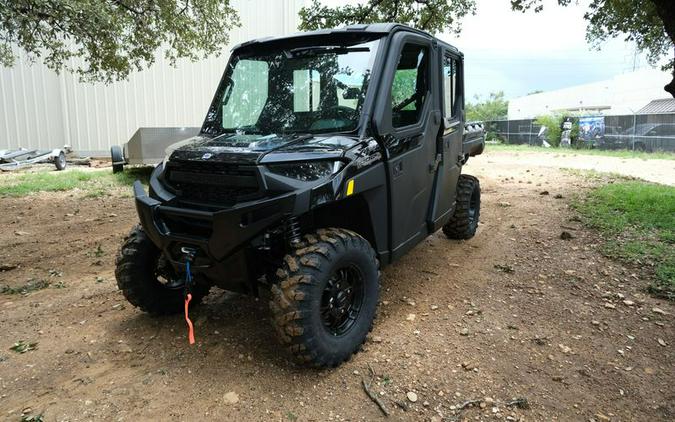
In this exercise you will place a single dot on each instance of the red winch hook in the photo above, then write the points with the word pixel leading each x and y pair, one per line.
pixel 189 256
pixel 191 331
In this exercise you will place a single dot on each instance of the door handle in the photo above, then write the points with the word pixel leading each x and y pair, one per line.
pixel 450 128
pixel 437 118
pixel 434 166
pixel 452 125
pixel 398 169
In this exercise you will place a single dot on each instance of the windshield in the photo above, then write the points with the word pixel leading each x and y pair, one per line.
pixel 640 129
pixel 310 89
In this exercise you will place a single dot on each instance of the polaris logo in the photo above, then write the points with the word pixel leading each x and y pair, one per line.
pixel 207 156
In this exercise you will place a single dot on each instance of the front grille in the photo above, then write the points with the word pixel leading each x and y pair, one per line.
pixel 213 183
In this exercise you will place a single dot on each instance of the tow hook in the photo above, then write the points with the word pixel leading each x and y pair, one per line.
pixel 189 255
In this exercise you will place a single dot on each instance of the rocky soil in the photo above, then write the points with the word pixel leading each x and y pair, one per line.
pixel 515 324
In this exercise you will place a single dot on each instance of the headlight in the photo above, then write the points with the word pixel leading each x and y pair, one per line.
pixel 307 171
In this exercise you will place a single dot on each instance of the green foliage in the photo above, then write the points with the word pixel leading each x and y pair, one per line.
pixel 31 286
pixel 650 23
pixel 23 347
pixel 574 136
pixel 431 15
pixel 638 221
pixel 552 124
pixel 131 174
pixel 404 86
pixel 32 418
pixel 633 204
pixel 637 20
pixel 109 39
pixel 94 183
pixel 495 107
pixel 98 252
pixel 45 181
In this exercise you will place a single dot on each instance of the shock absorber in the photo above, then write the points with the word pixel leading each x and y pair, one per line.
pixel 292 230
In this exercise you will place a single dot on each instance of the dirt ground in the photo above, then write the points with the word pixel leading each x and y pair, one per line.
pixel 514 313
pixel 657 171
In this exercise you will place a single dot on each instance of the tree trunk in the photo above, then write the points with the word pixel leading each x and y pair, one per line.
pixel 670 88
pixel 666 11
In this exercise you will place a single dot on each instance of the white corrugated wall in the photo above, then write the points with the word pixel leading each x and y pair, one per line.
pixel 622 94
pixel 40 109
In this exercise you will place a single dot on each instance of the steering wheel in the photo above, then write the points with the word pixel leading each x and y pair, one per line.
pixel 338 112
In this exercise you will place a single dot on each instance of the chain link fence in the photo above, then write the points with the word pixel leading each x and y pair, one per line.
pixel 642 132
pixel 523 131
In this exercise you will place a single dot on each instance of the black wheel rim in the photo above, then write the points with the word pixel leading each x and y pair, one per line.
pixel 473 206
pixel 166 276
pixel 342 300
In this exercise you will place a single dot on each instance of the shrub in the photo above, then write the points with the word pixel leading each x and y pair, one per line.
pixel 552 124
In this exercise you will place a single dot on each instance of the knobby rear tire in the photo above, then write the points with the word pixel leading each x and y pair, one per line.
pixel 464 221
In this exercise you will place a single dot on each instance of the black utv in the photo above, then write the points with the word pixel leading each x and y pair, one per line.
pixel 323 157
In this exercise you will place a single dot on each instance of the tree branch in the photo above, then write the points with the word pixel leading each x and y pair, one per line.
pixel 665 9
pixel 367 12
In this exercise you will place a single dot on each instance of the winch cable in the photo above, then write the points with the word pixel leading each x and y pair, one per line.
pixel 188 298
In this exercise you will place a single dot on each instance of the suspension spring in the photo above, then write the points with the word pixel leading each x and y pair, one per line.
pixel 293 230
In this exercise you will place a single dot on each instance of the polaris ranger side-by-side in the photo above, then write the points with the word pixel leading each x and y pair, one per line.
pixel 324 156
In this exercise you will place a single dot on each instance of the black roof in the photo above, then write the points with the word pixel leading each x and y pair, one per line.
pixel 664 105
pixel 355 30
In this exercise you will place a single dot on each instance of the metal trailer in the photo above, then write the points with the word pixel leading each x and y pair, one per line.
pixel 15 159
pixel 148 146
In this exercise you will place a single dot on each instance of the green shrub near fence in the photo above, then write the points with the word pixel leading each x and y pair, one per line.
pixel 553 124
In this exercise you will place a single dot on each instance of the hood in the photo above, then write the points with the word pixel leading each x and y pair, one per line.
pixel 254 149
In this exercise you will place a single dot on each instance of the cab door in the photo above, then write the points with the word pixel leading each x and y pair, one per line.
pixel 449 142
pixel 409 121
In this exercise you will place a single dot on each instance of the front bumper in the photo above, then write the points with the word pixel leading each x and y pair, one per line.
pixel 218 234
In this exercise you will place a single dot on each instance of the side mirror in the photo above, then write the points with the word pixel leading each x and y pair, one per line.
pixel 351 93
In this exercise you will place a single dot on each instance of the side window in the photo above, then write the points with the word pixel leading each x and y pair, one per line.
pixel 410 88
pixel 450 94
pixel 306 90
pixel 661 130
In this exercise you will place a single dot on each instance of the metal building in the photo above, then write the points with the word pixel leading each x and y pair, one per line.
pixel 40 109
pixel 623 94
